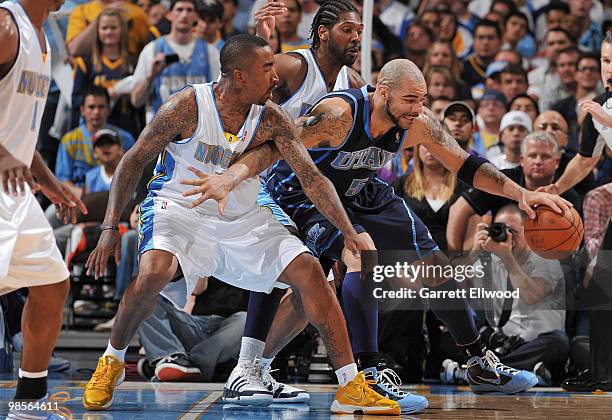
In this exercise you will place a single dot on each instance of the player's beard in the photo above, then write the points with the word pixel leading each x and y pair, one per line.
pixel 336 52
pixel 393 118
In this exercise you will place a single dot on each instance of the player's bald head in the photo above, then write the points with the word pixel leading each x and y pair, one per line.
pixel 397 73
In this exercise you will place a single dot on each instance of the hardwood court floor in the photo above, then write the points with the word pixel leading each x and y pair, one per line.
pixel 146 400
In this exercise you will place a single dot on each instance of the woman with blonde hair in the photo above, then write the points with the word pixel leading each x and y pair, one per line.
pixel 109 62
pixel 429 190
pixel 442 54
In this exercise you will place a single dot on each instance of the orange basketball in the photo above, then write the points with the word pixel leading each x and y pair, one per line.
pixel 552 235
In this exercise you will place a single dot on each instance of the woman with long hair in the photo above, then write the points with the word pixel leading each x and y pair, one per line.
pixel 109 62
pixel 442 54
pixel 441 83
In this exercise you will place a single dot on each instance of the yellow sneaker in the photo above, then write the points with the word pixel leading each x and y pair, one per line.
pixel 99 390
pixel 358 396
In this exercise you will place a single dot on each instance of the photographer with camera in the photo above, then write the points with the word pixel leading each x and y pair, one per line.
pixel 172 61
pixel 527 333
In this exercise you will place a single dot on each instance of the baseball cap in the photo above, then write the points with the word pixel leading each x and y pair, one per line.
pixel 496 67
pixel 493 95
pixel 106 136
pixel 515 118
pixel 458 106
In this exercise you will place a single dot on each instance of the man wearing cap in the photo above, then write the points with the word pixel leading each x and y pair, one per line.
pixel 515 126
pixel 108 151
pixel 75 156
pixel 490 112
pixel 460 121
pixel 493 74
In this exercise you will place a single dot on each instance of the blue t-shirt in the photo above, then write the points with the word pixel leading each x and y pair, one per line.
pixel 96 181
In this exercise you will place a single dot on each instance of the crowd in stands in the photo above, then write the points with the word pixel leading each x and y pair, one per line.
pixel 513 81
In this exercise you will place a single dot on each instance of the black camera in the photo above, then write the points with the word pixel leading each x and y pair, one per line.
pixel 503 344
pixel 498 232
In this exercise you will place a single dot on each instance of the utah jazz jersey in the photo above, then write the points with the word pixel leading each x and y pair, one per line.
pixel 24 89
pixel 211 150
pixel 313 87
pixel 351 165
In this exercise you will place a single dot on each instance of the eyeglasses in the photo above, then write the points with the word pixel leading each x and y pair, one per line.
pixel 553 126
pixel 590 69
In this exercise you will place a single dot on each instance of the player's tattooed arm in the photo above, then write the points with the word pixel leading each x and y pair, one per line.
pixel 175 119
pixel 278 126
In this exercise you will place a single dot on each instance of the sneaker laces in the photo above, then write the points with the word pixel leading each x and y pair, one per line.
pixel 60 398
pixel 267 377
pixel 391 380
pixel 102 375
pixel 253 372
pixel 493 362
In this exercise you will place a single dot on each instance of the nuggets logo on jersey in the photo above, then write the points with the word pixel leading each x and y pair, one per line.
pixel 33 83
pixel 215 154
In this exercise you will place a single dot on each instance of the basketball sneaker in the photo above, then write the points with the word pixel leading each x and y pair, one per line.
pixel 283 393
pixel 359 396
pixel 177 368
pixel 387 383
pixel 46 408
pixel 488 374
pixel 453 373
pixel 98 394
pixel 245 385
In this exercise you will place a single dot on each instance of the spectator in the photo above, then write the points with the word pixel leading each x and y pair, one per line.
pixel 565 66
pixel 440 82
pixel 393 14
pixel 174 60
pixel 516 34
pixel 554 123
pixel 587 78
pixel 459 120
pixel 82 26
pixel 417 42
pixel 509 56
pixel 431 19
pixel 109 62
pixel 494 74
pixel 487 43
pixel 589 33
pixel 544 78
pixel 513 81
pixel 157 14
pixel 515 126
pixel 465 18
pixel 490 112
pixel 527 104
pixel 597 216
pixel 210 23
pixel 451 31
pixel 230 7
pixel 108 151
pixel 287 25
pixel 189 345
pixel 75 156
pixel 145 5
pixel 438 105
pixel 441 53
pixel 535 327
pixel 429 190
pixel 309 10
pixel 539 162
pixel 503 7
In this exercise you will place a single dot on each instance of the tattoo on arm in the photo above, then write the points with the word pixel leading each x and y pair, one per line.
pixel 253 162
pixel 178 117
pixel 491 172
pixel 279 127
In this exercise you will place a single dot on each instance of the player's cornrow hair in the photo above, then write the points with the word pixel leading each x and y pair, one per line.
pixel 328 15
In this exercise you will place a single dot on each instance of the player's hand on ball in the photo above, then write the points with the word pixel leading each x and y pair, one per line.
pixel 109 243
pixel 64 199
pixel 15 174
pixel 211 187
pixel 531 199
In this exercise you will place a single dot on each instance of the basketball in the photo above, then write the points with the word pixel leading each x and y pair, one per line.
pixel 552 235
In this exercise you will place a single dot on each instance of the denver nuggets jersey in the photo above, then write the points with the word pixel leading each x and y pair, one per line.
pixel 24 90
pixel 351 165
pixel 211 150
pixel 313 87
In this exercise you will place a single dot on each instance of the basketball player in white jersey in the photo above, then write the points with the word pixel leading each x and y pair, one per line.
pixel 207 127
pixel 29 256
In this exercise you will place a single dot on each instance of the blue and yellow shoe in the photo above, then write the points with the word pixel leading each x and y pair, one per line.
pixel 387 383
pixel 488 374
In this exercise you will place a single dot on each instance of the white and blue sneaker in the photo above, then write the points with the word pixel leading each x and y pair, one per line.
pixel 488 374
pixel 47 408
pixel 388 385
pixel 245 385
pixel 283 393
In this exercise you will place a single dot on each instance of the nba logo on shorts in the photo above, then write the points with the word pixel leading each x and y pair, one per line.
pixel 164 205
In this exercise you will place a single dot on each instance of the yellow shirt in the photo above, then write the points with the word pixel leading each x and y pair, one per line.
pixel 137 22
pixel 290 46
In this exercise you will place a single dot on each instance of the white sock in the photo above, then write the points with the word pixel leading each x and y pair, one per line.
pixel 250 349
pixel 32 375
pixel 111 351
pixel 265 362
pixel 346 374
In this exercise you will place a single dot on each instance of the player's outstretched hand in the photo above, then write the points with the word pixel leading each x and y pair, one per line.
pixel 355 243
pixel 211 187
pixel 550 188
pixel 15 174
pixel 109 243
pixel 65 201
pixel 530 199
pixel 265 18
